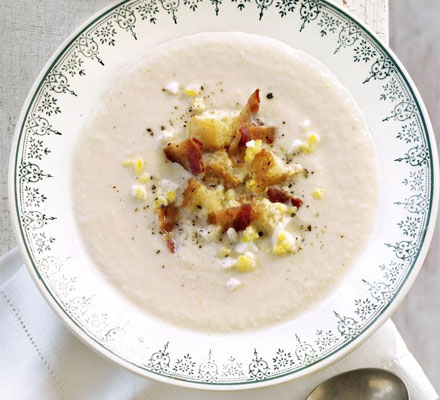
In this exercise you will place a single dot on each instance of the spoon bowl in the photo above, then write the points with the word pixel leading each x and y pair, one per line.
pixel 361 384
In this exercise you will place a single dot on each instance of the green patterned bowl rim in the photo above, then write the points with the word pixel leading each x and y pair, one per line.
pixel 309 11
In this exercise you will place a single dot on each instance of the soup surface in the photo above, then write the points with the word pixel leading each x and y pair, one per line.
pixel 150 105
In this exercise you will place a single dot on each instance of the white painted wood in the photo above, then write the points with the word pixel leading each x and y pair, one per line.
pixel 373 12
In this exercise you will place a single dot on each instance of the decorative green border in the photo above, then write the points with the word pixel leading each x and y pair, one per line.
pixel 84 47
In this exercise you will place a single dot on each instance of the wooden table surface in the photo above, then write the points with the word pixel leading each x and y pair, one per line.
pixel 414 30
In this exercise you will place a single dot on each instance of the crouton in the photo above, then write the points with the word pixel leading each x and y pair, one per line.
pixel 187 153
pixel 220 170
pixel 267 215
pixel 214 129
pixel 198 196
pixel 238 218
pixel 268 170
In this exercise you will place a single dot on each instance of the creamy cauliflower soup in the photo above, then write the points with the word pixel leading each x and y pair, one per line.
pixel 225 182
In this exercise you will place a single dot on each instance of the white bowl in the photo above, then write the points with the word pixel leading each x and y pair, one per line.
pixel 43 220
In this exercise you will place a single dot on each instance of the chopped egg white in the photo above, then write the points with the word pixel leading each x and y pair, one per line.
pixel 139 192
pixel 296 146
pixel 198 104
pixel 232 235
pixel 172 87
pixel 232 284
pixel 305 125
pixel 167 185
pixel 166 135
pixel 228 262
pixel 223 252
pixel 319 193
pixel 253 147
pixel 244 247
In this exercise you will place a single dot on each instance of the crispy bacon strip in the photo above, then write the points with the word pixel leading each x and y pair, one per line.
pixel 187 153
pixel 167 217
pixel 276 195
pixel 247 130
pixel 238 218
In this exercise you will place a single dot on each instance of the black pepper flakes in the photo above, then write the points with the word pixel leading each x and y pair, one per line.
pixel 269 95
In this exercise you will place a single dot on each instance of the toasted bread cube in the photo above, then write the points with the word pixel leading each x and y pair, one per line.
pixel 215 129
pixel 220 170
pixel 267 215
pixel 269 170
pixel 198 196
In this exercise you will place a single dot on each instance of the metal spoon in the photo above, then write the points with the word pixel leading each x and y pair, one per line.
pixel 361 384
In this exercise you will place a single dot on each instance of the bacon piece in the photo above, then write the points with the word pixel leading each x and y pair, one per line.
pixel 238 218
pixel 247 130
pixel 276 195
pixel 252 132
pixel 296 202
pixel 167 216
pixel 252 106
pixel 187 153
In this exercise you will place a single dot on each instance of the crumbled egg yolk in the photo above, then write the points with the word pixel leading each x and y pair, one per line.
pixel 139 192
pixel 291 210
pixel 312 140
pixel 198 104
pixel 223 252
pixel 245 263
pixel 144 178
pixel 249 234
pixel 127 163
pixel 281 207
pixel 171 196
pixel 253 147
pixel 285 244
pixel 251 185
pixel 160 201
pixel 192 91
pixel 138 165
pixel 318 193
pixel 308 146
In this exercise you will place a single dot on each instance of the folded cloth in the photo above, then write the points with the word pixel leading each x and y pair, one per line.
pixel 41 359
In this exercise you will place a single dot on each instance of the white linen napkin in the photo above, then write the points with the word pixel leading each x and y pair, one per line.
pixel 41 359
